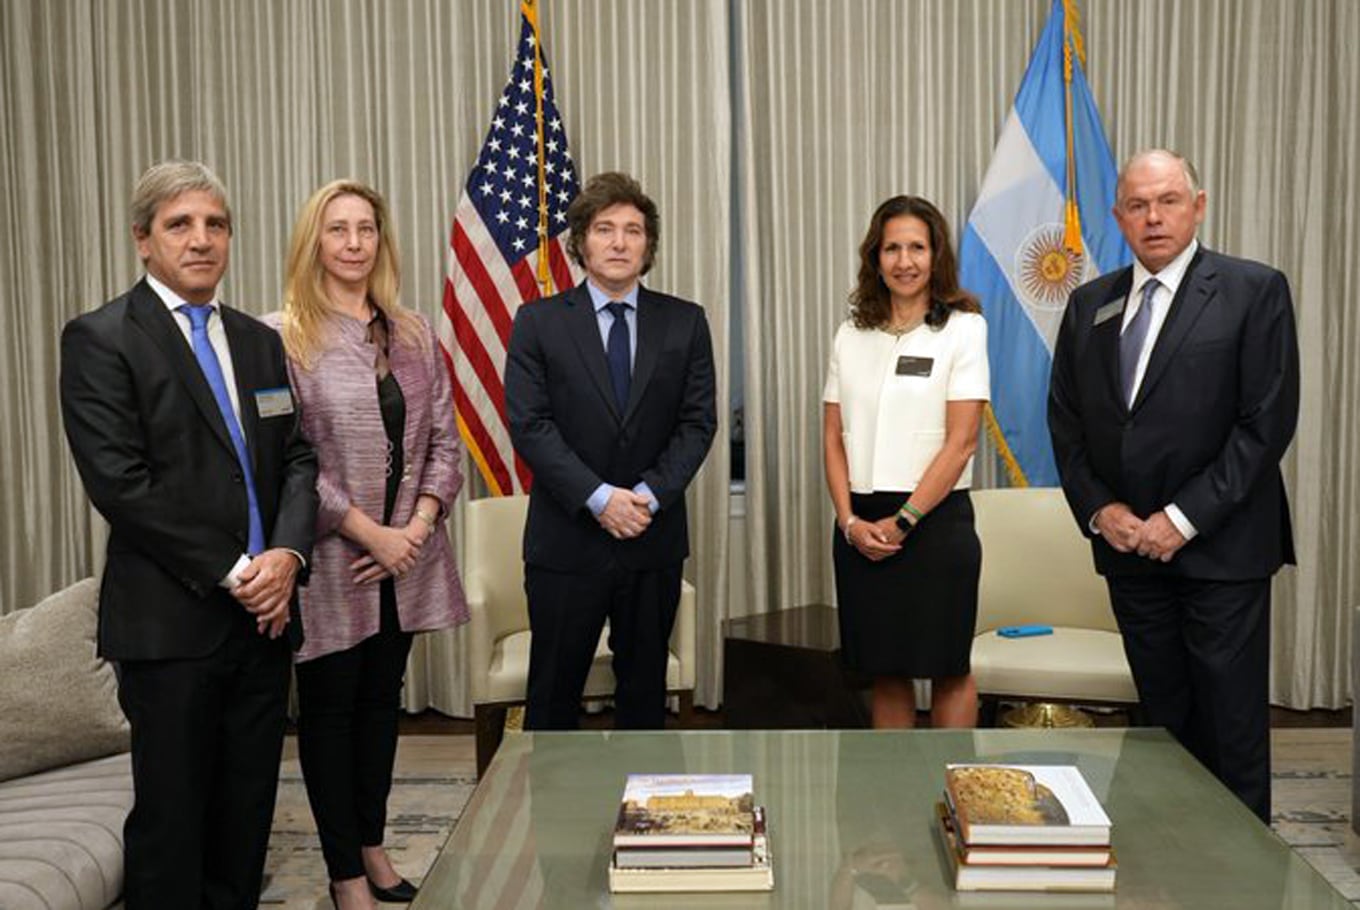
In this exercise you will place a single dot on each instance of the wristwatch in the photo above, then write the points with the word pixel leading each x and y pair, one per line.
pixel 904 524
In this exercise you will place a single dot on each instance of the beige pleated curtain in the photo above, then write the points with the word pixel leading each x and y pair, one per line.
pixel 767 131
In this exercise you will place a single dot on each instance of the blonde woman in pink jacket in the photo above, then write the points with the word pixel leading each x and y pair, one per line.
pixel 376 404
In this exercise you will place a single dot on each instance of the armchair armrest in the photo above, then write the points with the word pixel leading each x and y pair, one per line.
pixel 480 633
pixel 683 641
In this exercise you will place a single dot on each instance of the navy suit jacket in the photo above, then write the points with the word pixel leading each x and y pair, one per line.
pixel 566 426
pixel 1214 414
pixel 153 451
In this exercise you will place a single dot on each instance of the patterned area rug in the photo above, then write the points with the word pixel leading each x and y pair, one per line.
pixel 433 779
pixel 1311 802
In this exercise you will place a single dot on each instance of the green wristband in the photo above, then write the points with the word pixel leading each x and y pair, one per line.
pixel 913 511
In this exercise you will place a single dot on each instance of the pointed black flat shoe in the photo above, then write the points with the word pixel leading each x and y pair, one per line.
pixel 403 892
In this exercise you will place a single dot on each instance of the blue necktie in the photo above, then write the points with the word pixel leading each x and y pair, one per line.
pixel 212 371
pixel 617 353
pixel 1132 340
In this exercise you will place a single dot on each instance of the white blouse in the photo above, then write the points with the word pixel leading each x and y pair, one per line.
pixel 892 393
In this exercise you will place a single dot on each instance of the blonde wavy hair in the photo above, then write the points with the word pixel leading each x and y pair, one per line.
pixel 306 313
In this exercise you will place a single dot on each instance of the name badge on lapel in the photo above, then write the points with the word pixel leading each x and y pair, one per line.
pixel 1108 312
pixel 274 402
pixel 915 366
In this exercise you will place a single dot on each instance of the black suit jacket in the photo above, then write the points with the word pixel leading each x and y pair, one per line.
pixel 566 426
pixel 1214 414
pixel 153 451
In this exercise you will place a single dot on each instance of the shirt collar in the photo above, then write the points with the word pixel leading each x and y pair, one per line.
pixel 172 300
pixel 1170 276
pixel 600 299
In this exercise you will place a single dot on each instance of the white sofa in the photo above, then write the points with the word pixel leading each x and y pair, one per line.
pixel 65 773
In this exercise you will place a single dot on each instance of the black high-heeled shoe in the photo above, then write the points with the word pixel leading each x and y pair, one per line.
pixel 403 892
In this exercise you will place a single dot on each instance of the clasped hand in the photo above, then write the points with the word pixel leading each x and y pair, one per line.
pixel 266 588
pixel 391 551
pixel 1156 538
pixel 626 515
pixel 876 540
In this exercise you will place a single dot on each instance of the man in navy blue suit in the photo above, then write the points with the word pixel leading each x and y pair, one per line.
pixel 1175 392
pixel 609 391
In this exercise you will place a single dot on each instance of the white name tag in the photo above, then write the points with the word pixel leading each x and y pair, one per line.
pixel 274 402
pixel 1108 312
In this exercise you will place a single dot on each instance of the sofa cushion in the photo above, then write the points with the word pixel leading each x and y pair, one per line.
pixel 58 698
pixel 61 836
pixel 1071 665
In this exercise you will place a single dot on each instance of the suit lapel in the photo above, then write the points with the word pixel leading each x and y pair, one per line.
pixel 151 315
pixel 247 377
pixel 1197 289
pixel 1106 335
pixel 651 323
pixel 584 329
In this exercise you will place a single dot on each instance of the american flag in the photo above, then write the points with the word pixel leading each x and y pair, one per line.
pixel 494 251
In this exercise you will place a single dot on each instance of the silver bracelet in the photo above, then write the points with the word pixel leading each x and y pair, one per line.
pixel 849 523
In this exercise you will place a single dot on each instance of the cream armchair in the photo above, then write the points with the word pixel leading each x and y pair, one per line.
pixel 493 578
pixel 1037 568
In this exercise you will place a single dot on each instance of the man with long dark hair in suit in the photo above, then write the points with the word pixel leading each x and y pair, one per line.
pixel 184 431
pixel 1175 392
pixel 609 390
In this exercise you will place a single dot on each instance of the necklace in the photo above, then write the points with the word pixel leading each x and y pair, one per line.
pixel 897 331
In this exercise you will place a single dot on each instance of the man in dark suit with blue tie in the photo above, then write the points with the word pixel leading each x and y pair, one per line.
pixel 609 391
pixel 184 431
pixel 1174 394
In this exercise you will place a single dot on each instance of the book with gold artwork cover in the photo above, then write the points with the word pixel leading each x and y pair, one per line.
pixel 1016 805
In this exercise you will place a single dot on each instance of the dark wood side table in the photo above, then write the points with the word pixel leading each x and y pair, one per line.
pixel 782 670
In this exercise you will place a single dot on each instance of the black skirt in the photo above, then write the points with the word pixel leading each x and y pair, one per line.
pixel 913 613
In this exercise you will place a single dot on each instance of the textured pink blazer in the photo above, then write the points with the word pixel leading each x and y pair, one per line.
pixel 340 417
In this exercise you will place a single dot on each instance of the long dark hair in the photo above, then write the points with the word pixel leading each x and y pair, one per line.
pixel 870 303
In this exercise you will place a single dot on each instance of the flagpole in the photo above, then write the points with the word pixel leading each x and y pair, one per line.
pixel 1071 38
pixel 530 10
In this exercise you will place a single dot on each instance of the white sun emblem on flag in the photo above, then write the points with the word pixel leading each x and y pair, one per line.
pixel 1046 270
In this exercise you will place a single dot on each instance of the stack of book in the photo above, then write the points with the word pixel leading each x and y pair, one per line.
pixel 1024 828
pixel 690 832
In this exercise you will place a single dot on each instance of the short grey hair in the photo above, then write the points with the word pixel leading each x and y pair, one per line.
pixel 1187 167
pixel 164 181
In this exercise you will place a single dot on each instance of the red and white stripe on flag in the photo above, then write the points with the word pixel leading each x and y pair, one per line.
pixel 492 260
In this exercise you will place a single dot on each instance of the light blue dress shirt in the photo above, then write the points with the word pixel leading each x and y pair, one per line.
pixel 600 497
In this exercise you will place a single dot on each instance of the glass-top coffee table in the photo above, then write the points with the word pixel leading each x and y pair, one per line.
pixel 850 822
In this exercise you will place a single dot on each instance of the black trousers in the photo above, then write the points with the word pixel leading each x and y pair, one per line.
pixel 207 734
pixel 567 611
pixel 348 704
pixel 1200 655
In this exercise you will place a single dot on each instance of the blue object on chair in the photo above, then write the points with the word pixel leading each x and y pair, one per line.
pixel 1024 631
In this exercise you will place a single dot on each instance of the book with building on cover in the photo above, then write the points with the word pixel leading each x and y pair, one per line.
pixel 685 856
pixel 1016 805
pixel 758 875
pixel 1020 878
pixel 686 810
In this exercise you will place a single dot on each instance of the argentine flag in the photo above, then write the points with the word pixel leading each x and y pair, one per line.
pixel 1016 253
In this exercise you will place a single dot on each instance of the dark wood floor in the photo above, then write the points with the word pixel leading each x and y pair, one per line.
pixel 434 723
